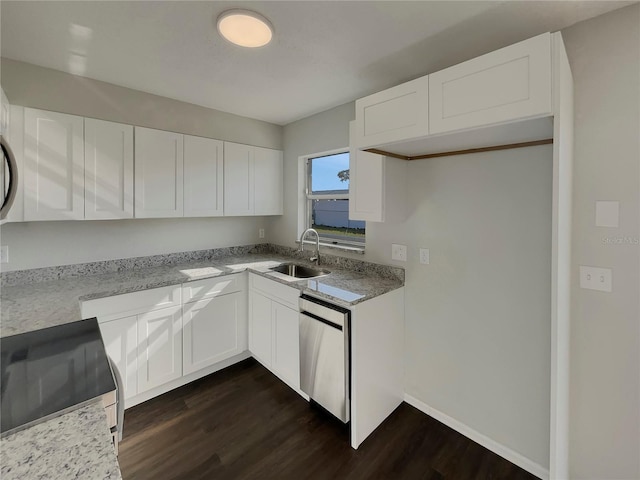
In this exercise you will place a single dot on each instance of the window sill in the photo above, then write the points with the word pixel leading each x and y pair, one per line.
pixel 334 246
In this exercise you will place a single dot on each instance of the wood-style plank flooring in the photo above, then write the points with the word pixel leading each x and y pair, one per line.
pixel 244 423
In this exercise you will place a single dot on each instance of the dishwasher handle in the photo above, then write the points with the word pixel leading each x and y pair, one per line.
pixel 321 320
pixel 323 311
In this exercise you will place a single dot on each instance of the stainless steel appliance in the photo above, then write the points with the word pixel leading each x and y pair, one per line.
pixel 8 178
pixel 324 355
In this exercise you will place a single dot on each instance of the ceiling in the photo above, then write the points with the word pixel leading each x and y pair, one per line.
pixel 324 54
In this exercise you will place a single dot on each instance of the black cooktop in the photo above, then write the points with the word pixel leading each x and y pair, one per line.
pixel 47 371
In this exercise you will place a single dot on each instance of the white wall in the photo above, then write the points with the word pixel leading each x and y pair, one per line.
pixel 605 333
pixel 41 244
pixel 38 87
pixel 45 244
pixel 319 133
pixel 465 360
pixel 478 316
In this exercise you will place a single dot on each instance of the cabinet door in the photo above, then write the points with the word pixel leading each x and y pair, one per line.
pixel 398 113
pixel 238 179
pixel 54 166
pixel 268 188
pixel 203 177
pixel 260 341
pixel 16 140
pixel 286 350
pixel 4 114
pixel 366 184
pixel 213 331
pixel 509 84
pixel 108 170
pixel 121 341
pixel 158 173
pixel 159 347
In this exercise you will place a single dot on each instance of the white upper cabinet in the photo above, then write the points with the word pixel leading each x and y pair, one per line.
pixel 253 180
pixel 393 115
pixel 483 102
pixel 53 166
pixel 238 179
pixel 509 84
pixel 203 177
pixel 268 181
pixel 5 113
pixel 377 185
pixel 158 173
pixel 108 170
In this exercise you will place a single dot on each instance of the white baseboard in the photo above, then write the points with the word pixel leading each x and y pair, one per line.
pixel 497 448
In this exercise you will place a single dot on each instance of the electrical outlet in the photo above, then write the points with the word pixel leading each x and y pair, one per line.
pixel 4 254
pixel 261 233
pixel 398 252
pixel 594 278
pixel 424 256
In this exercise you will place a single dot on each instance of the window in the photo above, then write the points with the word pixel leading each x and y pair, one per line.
pixel 327 192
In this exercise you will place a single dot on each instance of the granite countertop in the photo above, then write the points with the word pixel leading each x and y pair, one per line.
pixel 39 305
pixel 75 445
pixel 78 444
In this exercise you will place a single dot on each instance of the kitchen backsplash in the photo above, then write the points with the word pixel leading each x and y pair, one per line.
pixel 37 275
pixel 45 274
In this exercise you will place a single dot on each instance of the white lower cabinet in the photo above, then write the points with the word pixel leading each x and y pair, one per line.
pixel 120 338
pixel 213 330
pixel 260 328
pixel 285 358
pixel 159 343
pixel 159 347
pixel 273 328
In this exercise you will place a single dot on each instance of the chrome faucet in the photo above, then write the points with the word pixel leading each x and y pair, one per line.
pixel 316 258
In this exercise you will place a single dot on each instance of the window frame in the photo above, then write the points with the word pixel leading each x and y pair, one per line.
pixel 357 246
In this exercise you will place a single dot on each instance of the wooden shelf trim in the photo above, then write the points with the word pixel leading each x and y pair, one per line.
pixel 493 148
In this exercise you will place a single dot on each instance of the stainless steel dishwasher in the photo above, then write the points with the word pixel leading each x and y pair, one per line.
pixel 324 354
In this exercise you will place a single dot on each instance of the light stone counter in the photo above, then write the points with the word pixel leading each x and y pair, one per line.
pixel 78 444
pixel 32 306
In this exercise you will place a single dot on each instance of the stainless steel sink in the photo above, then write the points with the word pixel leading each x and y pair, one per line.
pixel 300 271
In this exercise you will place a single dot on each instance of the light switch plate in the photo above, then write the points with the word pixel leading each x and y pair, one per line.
pixel 261 233
pixel 424 256
pixel 398 252
pixel 607 214
pixel 4 254
pixel 596 278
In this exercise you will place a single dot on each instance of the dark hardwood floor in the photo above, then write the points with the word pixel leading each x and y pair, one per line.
pixel 243 423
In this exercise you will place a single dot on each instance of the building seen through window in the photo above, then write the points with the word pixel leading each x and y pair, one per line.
pixel 328 200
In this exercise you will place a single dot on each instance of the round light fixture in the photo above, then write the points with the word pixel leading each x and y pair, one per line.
pixel 245 28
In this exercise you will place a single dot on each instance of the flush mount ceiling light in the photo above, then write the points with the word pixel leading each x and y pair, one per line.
pixel 245 28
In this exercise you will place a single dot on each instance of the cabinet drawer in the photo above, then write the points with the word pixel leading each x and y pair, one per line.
pixel 210 287
pixel 127 304
pixel 398 113
pixel 276 291
pixel 509 84
pixel 112 413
